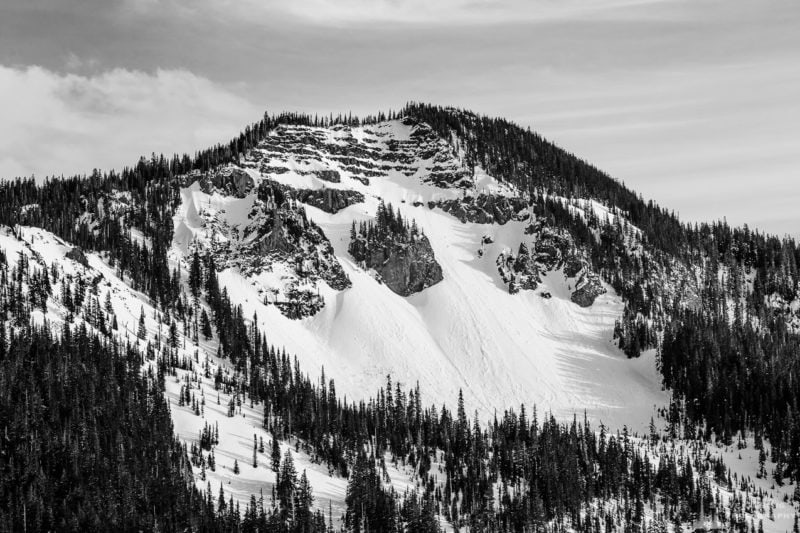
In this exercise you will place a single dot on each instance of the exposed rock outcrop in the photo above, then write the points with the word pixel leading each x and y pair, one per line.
pixel 397 251
pixel 332 176
pixel 519 272
pixel 486 209
pixel 278 239
pixel 287 235
pixel 328 200
pixel 550 250
pixel 406 268
pixel 228 180
pixel 588 289
pixel 336 154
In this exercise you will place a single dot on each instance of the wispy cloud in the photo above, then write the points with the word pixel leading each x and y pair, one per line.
pixel 443 12
pixel 63 124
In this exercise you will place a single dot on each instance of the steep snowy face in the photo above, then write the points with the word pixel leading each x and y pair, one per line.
pixel 470 328
pixel 253 217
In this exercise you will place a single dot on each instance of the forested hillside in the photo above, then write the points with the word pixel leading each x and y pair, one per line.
pixel 86 435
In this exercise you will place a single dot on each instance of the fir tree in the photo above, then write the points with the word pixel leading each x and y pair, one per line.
pixel 205 325
pixel 275 454
pixel 142 331
pixel 195 274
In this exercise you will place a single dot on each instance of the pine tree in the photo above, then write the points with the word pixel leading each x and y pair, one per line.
pixel 303 501
pixel 109 308
pixel 205 325
pixel 275 454
pixel 221 505
pixel 3 341
pixel 195 275
pixel 173 335
pixel 142 332
pixel 286 486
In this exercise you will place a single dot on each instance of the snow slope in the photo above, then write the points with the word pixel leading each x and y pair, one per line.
pixel 236 433
pixel 466 332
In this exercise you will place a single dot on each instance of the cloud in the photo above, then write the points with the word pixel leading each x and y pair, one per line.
pixel 57 124
pixel 442 12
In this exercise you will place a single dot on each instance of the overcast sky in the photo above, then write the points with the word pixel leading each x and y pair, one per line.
pixel 694 103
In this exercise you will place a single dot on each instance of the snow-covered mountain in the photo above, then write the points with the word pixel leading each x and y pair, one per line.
pixel 468 332
pixel 386 250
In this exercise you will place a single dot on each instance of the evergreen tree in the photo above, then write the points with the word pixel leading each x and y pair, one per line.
pixel 275 454
pixel 205 325
pixel 286 487
pixel 142 331
pixel 108 307
pixel 195 274
pixel 304 499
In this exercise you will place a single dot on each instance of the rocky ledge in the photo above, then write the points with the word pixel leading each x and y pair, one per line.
pixel 588 289
pixel 485 209
pixel 549 250
pixel 327 199
pixel 228 180
pixel 406 268
pixel 278 239
pixel 398 252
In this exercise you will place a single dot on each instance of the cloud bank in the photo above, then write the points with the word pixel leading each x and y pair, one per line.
pixel 437 13
pixel 56 124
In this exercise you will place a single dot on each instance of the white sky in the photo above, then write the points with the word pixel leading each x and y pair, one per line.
pixel 694 103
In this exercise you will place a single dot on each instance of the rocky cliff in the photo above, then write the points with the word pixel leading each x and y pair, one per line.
pixel 326 199
pixel 549 250
pixel 397 252
pixel 485 209
pixel 267 236
pixel 406 268
pixel 228 180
